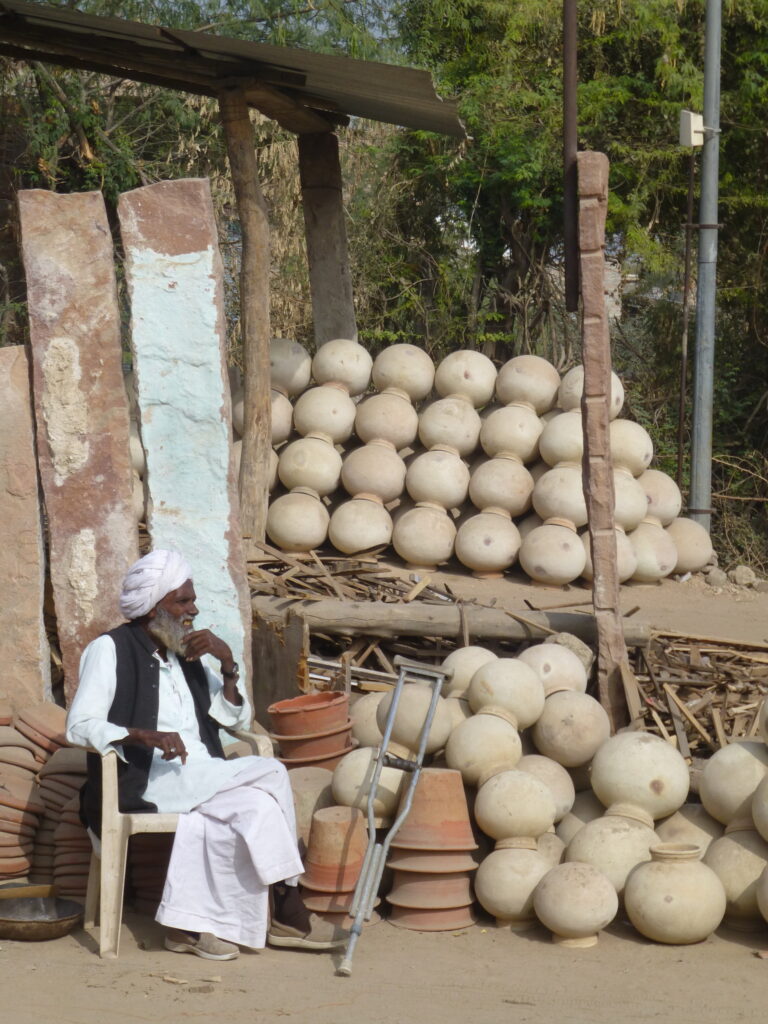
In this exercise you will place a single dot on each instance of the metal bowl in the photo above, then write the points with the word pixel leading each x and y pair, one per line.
pixel 36 918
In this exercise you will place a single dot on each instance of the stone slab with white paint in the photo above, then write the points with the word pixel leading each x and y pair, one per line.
pixel 175 281
pixel 23 640
pixel 81 410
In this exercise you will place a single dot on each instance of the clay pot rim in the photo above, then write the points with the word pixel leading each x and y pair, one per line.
pixel 676 851
pixel 317 761
pixel 420 866
pixel 307 702
pixel 516 843
pixel 434 848
pixel 312 735
pixel 560 521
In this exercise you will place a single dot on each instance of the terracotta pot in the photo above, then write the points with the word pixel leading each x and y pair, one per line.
pixel 376 468
pixel 515 428
pixel 572 385
pixel 663 494
pixel 327 409
pixel 730 778
pixel 387 417
pixel 613 844
pixel 406 367
pixel 336 849
pixel 469 373
pixel 310 713
pixel 655 550
pixel 557 667
pixel 552 553
pixel 424 536
pixel 575 901
pixel 529 379
pixel 438 476
pixel 501 482
pixel 328 902
pixel 488 543
pixel 513 804
pixel 329 760
pixel 315 744
pixel 450 920
pixel 290 365
pixel 452 421
pixel 562 439
pixel 439 816
pixel 360 524
pixel 631 446
pixel 559 493
pixel 643 770
pixel 431 862
pixel 571 728
pixel 311 461
pixel 511 684
pixel 487 740
pixel 298 521
pixel 343 361
pixel 693 544
pixel 431 892
pixel 464 662
pixel 675 898
pixel 630 500
pixel 506 880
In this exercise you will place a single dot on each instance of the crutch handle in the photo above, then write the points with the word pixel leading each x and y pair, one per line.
pixel 393 761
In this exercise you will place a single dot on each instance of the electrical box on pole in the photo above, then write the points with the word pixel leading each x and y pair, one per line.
pixel 691 129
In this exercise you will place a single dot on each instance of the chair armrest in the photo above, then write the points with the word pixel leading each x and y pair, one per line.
pixel 260 743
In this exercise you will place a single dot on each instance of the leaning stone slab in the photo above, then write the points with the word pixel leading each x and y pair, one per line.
pixel 27 676
pixel 174 275
pixel 82 412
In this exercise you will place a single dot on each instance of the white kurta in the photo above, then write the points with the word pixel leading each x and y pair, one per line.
pixel 237 831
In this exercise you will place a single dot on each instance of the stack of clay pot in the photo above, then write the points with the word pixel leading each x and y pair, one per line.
pixel 431 857
pixel 333 862
pixel 314 729
pixel 72 852
pixel 20 812
pixel 311 789
pixel 61 841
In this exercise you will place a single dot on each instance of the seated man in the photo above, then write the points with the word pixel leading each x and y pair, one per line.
pixel 144 692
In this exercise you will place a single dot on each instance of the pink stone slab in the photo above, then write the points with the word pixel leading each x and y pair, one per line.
pixel 81 411
pixel 22 557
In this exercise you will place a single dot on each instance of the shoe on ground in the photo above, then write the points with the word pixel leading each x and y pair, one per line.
pixel 205 945
pixel 321 935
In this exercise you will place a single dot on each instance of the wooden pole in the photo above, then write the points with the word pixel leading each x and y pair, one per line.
pixel 330 280
pixel 254 313
pixel 613 674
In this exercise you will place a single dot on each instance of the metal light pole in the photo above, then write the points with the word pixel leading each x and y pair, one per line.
pixel 700 498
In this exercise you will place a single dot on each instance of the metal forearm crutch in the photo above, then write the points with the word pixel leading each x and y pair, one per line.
pixel 376 854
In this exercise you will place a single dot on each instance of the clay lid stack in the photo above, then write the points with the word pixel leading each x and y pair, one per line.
pixel 19 755
pixel 20 812
pixel 44 726
pixel 60 781
pixel 72 852
pixel 312 730
pixel 431 857
pixel 334 860
pixel 148 857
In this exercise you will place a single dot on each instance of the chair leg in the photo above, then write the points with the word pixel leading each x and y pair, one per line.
pixel 92 892
pixel 114 852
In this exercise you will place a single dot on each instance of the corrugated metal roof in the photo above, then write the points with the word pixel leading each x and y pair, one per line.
pixel 302 90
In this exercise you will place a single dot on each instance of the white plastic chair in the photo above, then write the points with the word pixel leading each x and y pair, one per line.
pixel 106 874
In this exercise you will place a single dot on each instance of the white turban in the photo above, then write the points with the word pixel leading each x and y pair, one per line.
pixel 150 579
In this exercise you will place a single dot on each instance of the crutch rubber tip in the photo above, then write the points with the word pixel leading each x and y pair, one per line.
pixel 344 969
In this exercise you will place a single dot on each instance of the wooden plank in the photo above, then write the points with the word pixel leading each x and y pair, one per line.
pixel 677 723
pixel 280 652
pixel 717 721
pixel 687 714
pixel 417 589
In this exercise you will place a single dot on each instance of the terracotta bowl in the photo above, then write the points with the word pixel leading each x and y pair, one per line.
pixel 310 713
pixel 345 921
pixel 431 892
pixel 337 844
pixel 315 744
pixel 329 760
pixel 432 920
pixel 439 816
pixel 329 902
pixel 431 862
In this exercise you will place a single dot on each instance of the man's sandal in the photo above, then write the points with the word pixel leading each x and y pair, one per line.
pixel 321 935
pixel 205 945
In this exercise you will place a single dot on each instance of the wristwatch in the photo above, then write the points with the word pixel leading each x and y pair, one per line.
pixel 234 674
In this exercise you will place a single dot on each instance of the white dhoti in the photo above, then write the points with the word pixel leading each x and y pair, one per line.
pixel 228 851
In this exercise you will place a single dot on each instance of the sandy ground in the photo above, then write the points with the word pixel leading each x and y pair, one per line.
pixel 481 975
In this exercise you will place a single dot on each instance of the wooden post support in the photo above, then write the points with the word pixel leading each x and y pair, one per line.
pixel 254 313
pixel 613 670
pixel 330 280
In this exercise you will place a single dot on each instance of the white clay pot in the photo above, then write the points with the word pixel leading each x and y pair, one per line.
pixel 586 807
pixel 463 663
pixel 360 524
pixel 510 684
pixel 562 439
pixel 327 409
pixel 553 553
pixel 572 386
pixel 630 500
pixel 554 777
pixel 571 728
pixel 469 373
pixel 693 544
pixel 514 804
pixel 731 777
pixel 664 498
pixel 410 716
pixel 614 844
pixel 488 543
pixel 290 366
pixel 739 859
pixel 575 902
pixel 487 740
pixel 690 824
pixel 559 494
pixel 405 367
pixel 631 446
pixel 363 715
pixel 424 536
pixel 376 468
pixel 557 667
pixel 298 521
pixel 551 847
pixel 502 482
pixel 626 559
pixel 655 550
pixel 458 710
pixel 643 770
pixel 506 880
pixel 438 476
pixel 138 460
pixel 528 379
pixel 311 461
pixel 450 421
pixel 515 428
pixel 352 779
pixel 282 417
pixel 389 416
pixel 344 361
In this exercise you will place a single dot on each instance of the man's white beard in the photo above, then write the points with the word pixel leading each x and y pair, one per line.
pixel 170 631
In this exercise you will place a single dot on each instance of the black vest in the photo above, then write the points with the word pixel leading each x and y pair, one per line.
pixel 135 707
